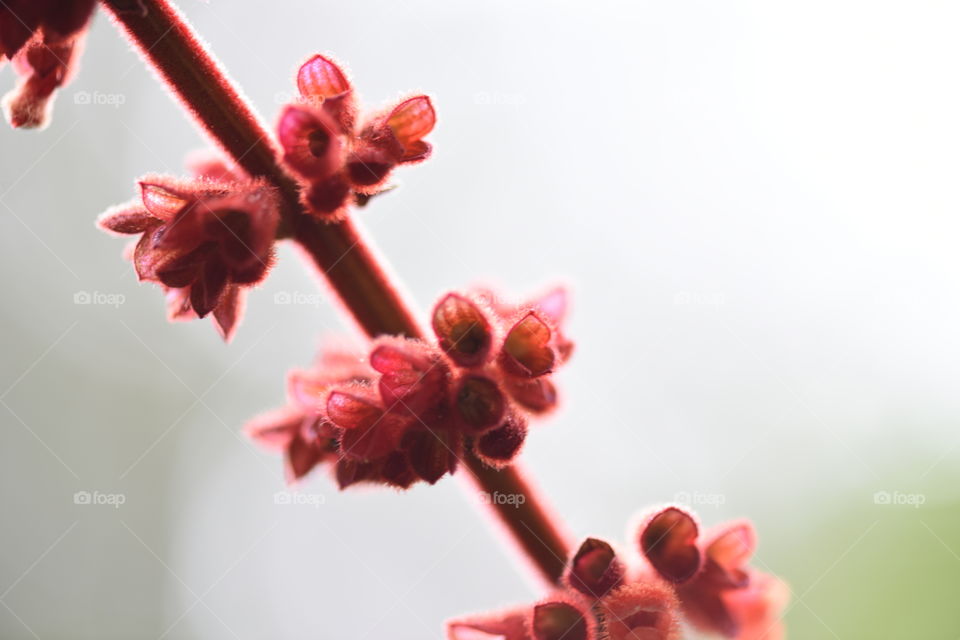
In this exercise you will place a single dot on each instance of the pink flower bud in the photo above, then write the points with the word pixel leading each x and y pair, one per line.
pixel 641 611
pixel 275 429
pixel 368 432
pixel 410 121
pixel 311 142
pixel 505 625
pixel 320 77
pixel 322 82
pixel 413 379
pixel 127 219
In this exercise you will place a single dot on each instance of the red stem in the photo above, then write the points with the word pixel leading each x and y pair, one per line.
pixel 340 251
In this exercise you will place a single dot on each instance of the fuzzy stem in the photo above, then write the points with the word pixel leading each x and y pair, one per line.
pixel 340 251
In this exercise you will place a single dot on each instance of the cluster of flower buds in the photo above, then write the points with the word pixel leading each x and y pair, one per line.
pixel 204 240
pixel 42 39
pixel 673 576
pixel 409 409
pixel 340 158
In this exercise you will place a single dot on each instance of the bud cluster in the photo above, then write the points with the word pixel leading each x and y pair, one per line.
pixel 338 157
pixel 408 410
pixel 204 241
pixel 672 576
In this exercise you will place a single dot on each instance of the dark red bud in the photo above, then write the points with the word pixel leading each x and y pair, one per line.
pixel 327 198
pixel 595 569
pixel 433 454
pixel 206 290
pixel 559 621
pixel 499 446
pixel 669 542
pixel 479 402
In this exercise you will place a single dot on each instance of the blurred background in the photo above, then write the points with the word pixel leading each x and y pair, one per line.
pixel 755 204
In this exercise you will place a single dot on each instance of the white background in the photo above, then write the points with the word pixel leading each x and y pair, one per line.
pixel 754 203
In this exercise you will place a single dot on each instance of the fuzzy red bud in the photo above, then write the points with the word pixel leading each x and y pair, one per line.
pixel 463 331
pixel 669 542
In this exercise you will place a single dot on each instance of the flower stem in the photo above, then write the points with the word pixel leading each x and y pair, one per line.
pixel 340 251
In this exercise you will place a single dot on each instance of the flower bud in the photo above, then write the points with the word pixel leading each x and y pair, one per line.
pixel 595 568
pixel 499 446
pixel 413 380
pixel 560 621
pixel 641 611
pixel 479 403
pixel 462 330
pixel 311 142
pixel 527 351
pixel 668 540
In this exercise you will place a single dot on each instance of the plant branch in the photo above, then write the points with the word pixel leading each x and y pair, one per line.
pixel 340 251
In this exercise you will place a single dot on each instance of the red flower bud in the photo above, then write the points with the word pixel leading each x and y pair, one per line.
pixel 349 472
pixel 328 199
pixel 479 403
pixel 127 219
pixel 433 453
pixel 501 445
pixel 413 379
pixel 668 540
pixel 302 455
pixel 410 121
pixel 396 470
pixel 462 329
pixel 311 142
pixel 595 568
pixel 527 351
pixel 560 621
pixel 322 83
pixel 201 240
pixel 533 394
pixel 320 77
pixel 367 432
